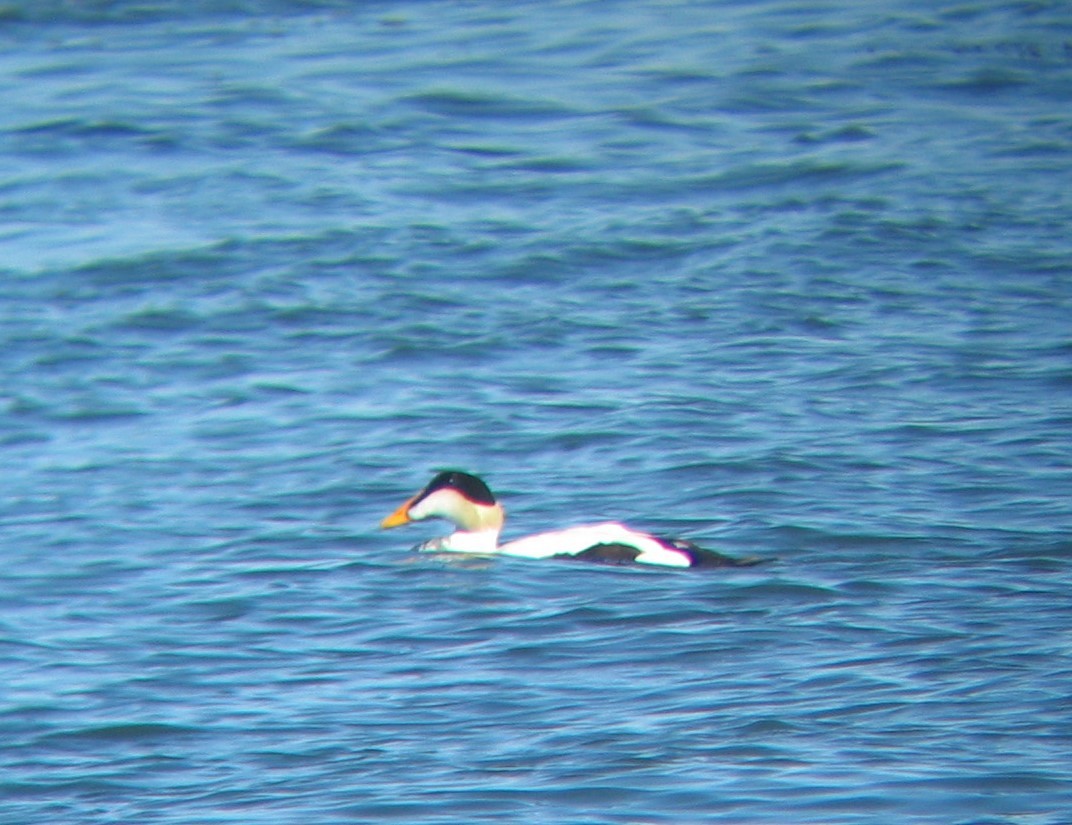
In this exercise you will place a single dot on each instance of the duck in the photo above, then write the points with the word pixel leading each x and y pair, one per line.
pixel 468 503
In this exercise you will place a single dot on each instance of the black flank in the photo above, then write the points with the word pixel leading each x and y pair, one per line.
pixel 606 554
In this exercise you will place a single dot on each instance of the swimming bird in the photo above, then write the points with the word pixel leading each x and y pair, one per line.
pixel 466 501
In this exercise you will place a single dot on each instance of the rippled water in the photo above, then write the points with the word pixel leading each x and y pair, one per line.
pixel 787 279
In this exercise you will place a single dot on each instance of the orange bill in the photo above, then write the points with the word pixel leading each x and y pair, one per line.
pixel 398 517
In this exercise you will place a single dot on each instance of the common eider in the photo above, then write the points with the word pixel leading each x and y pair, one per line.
pixel 466 502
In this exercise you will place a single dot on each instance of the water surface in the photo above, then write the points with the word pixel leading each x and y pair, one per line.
pixel 786 279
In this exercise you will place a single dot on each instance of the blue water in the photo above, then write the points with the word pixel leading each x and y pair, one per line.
pixel 787 279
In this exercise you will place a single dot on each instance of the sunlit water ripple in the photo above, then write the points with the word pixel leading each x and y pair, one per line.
pixel 788 280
